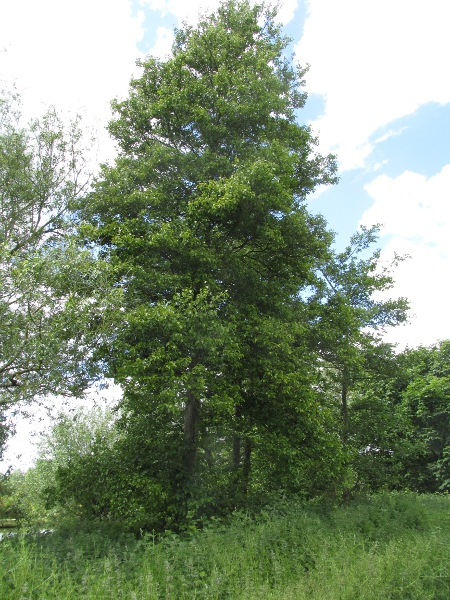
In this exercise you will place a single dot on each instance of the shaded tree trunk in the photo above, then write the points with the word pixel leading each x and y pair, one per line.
pixel 246 467
pixel 237 441
pixel 191 421
pixel 236 451
pixel 344 409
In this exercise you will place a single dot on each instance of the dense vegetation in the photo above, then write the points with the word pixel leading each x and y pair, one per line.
pixel 248 349
pixel 386 546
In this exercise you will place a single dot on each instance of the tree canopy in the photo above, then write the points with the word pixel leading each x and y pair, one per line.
pixel 248 349
pixel 203 217
pixel 54 294
pixel 348 321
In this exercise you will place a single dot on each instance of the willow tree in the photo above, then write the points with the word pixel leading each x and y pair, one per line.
pixel 203 217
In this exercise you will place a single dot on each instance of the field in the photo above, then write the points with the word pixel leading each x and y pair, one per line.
pixel 387 546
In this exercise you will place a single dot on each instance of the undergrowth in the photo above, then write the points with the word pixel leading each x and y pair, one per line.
pixel 390 546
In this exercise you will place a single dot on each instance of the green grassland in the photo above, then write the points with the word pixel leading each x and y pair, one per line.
pixel 387 546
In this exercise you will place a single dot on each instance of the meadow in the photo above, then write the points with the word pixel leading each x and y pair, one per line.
pixel 386 546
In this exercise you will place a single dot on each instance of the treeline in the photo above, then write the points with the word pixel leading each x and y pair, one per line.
pixel 191 272
pixel 397 438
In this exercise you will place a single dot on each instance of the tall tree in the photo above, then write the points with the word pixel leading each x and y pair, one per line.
pixel 203 218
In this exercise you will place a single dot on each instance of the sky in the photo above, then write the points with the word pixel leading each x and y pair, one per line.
pixel 378 97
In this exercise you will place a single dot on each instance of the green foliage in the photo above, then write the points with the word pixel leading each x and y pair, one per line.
pixel 388 450
pixel 87 470
pixel 206 289
pixel 202 218
pixel 56 486
pixel 399 422
pixel 348 321
pixel 6 430
pixel 383 546
pixel 54 300
pixel 22 495
pixel 426 399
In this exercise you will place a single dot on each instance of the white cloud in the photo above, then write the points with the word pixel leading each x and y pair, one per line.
pixel 378 166
pixel 374 62
pixel 415 211
pixel 73 55
pixel 287 11
pixel 163 45
pixel 183 10
pixel 412 206
pixel 190 11
pixel 390 133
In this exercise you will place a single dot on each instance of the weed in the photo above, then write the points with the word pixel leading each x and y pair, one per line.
pixel 393 546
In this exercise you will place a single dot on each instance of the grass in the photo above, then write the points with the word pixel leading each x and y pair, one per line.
pixel 389 546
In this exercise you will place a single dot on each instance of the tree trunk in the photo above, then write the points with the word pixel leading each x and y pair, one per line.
pixel 236 451
pixel 191 420
pixel 344 409
pixel 246 464
pixel 237 438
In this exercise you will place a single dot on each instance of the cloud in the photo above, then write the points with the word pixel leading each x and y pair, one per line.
pixel 163 45
pixel 373 62
pixel 415 211
pixel 389 134
pixel 73 55
pixel 287 11
pixel 190 11
pixel 183 10
pixel 412 206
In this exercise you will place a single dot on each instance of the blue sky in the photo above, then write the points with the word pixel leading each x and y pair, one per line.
pixel 379 97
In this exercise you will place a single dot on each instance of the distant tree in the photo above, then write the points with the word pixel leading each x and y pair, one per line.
pixel 400 422
pixel 426 398
pixel 388 452
pixel 54 485
pixel 348 318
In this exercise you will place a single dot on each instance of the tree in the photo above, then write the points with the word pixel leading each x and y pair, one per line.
pixel 389 453
pixel 400 422
pixel 348 320
pixel 202 217
pixel 426 399
pixel 56 485
pixel 54 294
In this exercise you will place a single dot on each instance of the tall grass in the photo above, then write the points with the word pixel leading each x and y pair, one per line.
pixel 389 546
